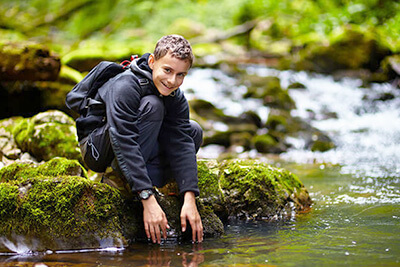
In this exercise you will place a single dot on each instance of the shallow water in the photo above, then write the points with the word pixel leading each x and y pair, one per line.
pixel 355 219
pixel 343 228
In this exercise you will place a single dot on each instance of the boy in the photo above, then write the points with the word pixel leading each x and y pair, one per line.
pixel 148 131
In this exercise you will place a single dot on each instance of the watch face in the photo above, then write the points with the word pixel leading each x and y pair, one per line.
pixel 145 194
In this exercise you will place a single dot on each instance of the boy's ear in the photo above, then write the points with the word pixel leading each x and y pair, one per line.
pixel 151 61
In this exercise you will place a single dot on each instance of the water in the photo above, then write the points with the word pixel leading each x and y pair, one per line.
pixel 355 219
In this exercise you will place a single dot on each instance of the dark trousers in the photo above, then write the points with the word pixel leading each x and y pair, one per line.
pixel 98 154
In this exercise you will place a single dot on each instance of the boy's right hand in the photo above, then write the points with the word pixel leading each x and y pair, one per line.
pixel 154 220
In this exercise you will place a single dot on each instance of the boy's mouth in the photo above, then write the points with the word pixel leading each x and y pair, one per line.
pixel 168 87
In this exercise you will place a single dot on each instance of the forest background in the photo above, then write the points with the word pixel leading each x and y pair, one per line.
pixel 115 29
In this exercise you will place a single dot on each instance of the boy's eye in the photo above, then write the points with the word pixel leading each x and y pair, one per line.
pixel 181 74
pixel 167 70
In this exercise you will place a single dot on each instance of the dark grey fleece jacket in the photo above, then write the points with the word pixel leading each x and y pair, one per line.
pixel 122 95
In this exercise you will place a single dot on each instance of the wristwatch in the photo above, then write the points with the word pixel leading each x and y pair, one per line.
pixel 145 194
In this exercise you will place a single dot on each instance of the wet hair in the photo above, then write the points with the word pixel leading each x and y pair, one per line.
pixel 177 45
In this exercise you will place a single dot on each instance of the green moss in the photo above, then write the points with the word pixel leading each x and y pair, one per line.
pixel 70 75
pixel 63 209
pixel 8 124
pixel 8 199
pixel 256 190
pixel 349 47
pixel 208 174
pixel 322 146
pixel 206 109
pixel 264 143
pixel 47 135
pixel 55 167
pixel 269 90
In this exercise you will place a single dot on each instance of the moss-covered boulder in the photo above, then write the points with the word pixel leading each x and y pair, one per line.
pixel 27 62
pixel 47 135
pixel 281 125
pixel 250 189
pixel 348 48
pixel 269 90
pixel 55 206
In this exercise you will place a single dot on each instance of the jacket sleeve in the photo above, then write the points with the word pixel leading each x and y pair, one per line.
pixel 123 100
pixel 178 144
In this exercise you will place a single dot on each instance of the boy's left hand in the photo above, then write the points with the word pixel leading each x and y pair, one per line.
pixel 189 213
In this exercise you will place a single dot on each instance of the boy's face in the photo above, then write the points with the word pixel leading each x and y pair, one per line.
pixel 168 73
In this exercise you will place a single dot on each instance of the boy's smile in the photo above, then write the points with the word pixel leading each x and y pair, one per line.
pixel 168 73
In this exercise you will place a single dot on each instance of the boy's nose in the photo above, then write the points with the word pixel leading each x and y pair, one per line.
pixel 172 80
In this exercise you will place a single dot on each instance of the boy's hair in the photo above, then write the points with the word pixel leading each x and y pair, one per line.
pixel 177 45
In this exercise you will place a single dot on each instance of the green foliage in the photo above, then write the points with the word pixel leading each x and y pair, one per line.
pixel 127 21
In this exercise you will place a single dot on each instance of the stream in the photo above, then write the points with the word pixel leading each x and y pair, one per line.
pixel 355 219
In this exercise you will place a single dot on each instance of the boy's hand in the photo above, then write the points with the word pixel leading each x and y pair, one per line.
pixel 189 212
pixel 154 218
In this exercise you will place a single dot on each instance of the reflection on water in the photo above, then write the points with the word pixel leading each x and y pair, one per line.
pixel 355 220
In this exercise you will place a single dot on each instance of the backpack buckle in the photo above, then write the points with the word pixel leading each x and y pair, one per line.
pixel 143 81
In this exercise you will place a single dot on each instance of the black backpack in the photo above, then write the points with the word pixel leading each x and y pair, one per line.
pixel 81 98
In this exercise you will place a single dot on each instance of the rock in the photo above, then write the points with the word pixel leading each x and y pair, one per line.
pixel 296 85
pixel 53 205
pixel 8 147
pixel 27 62
pixel 391 67
pixel 222 129
pixel 267 144
pixel 269 90
pixel 47 135
pixel 249 189
pixel 348 49
pixel 320 142
pixel 50 209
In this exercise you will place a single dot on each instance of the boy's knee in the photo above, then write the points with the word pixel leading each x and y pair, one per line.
pixel 151 108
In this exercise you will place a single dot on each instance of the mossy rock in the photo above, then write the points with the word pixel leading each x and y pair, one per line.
pixel 320 142
pixel 92 52
pixel 269 90
pixel 206 109
pixel 53 210
pixel 349 48
pixel 253 190
pixel 55 206
pixel 22 171
pixel 250 189
pixel 8 147
pixel 27 62
pixel 47 135
pixel 267 144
